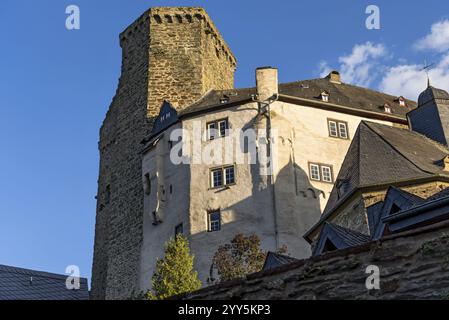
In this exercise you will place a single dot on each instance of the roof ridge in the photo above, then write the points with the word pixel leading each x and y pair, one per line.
pixel 37 273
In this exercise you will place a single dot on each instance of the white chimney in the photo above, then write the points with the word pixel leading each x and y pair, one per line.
pixel 266 82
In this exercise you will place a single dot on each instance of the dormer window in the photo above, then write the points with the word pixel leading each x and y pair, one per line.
pixel 325 96
pixel 387 108
pixel 401 101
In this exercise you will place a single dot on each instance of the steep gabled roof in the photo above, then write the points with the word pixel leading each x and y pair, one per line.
pixel 24 284
pixel 340 238
pixel 274 260
pixel 384 155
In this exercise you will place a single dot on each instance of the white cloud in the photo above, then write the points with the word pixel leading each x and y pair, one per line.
pixel 359 66
pixel 324 69
pixel 437 39
pixel 409 80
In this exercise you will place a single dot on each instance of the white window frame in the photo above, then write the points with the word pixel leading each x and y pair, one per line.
pixel 345 126
pixel 330 123
pixel 214 129
pixel 224 181
pixel 212 176
pixel 323 167
pixel 225 170
pixel 317 167
pixel 338 132
pixel 213 225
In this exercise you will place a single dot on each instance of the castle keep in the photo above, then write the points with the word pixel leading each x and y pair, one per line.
pixel 168 53
pixel 176 58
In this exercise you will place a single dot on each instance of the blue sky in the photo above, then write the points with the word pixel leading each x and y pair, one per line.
pixel 56 85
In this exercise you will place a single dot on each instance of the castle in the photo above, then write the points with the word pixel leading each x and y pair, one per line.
pixel 177 73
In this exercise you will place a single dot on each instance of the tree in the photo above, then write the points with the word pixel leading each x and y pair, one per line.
pixel 174 274
pixel 240 257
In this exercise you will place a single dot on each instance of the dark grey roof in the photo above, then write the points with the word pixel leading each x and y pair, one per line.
pixel 274 260
pixel 339 236
pixel 350 237
pixel 381 154
pixel 339 93
pixel 432 93
pixel 384 155
pixel 24 284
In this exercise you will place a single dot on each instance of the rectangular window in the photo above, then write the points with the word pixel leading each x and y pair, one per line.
pixel 326 173
pixel 211 130
pixel 217 178
pixel 338 129
pixel 223 127
pixel 214 221
pixel 217 129
pixel 229 175
pixel 333 129
pixel 221 177
pixel 315 172
pixel 343 130
pixel 179 229
pixel 321 172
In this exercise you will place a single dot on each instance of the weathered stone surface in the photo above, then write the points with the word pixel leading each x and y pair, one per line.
pixel 413 265
pixel 168 53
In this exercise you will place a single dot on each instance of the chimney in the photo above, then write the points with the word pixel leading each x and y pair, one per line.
pixel 334 76
pixel 266 82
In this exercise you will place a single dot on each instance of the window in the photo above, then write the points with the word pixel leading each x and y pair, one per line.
pixel 217 178
pixel 343 130
pixel 229 175
pixel 321 172
pixel 333 129
pixel 214 221
pixel 387 108
pixel 326 174
pixel 217 129
pixel 221 177
pixel 338 129
pixel 325 96
pixel 179 229
pixel 315 172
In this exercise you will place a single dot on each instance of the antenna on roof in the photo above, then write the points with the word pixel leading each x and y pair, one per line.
pixel 426 69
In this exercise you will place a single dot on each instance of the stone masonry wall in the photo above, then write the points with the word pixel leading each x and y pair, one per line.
pixel 413 265
pixel 164 54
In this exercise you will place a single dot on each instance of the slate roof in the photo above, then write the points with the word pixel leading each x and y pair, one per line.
pixel 339 236
pixel 23 284
pixel 384 155
pixel 350 237
pixel 432 93
pixel 274 260
pixel 339 93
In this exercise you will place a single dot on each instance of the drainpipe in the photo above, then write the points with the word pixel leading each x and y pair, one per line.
pixel 267 93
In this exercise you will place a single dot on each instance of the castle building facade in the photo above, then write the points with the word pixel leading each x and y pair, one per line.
pixel 175 57
pixel 391 180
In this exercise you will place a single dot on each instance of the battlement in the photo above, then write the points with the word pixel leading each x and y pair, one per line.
pixel 181 15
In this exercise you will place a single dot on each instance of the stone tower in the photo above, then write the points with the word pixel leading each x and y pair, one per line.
pixel 168 53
